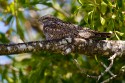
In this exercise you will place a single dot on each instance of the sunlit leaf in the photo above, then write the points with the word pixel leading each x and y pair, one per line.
pixel 103 7
pixel 117 36
pixel 96 58
pixel 102 20
pixel 119 33
pixel 80 1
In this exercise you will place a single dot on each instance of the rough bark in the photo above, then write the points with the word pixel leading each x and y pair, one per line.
pixel 67 45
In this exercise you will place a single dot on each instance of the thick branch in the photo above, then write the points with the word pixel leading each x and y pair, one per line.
pixel 103 47
pixel 68 45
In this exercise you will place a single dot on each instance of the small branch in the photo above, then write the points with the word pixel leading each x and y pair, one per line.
pixel 82 71
pixel 109 70
pixel 107 80
pixel 113 76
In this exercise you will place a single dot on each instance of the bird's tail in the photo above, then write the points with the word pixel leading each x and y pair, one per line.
pixel 103 34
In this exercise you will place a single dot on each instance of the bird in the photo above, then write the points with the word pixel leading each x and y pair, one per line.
pixel 55 28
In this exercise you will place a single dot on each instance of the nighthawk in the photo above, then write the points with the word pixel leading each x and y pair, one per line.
pixel 54 28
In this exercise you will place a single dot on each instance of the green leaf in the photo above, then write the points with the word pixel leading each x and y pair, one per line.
pixel 120 3
pixel 86 18
pixel 103 7
pixel 8 19
pixel 116 34
pixel 102 20
pixel 20 30
pixel 3 38
pixel 119 33
pixel 79 1
pixel 96 58
pixel 77 10
pixel 113 16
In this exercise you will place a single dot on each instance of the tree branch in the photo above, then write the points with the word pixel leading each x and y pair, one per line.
pixel 67 45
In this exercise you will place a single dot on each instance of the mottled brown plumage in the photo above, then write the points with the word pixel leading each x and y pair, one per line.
pixel 54 28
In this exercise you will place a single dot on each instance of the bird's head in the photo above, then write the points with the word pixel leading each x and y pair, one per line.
pixel 48 19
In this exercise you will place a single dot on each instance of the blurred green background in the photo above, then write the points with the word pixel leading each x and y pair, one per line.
pixel 19 23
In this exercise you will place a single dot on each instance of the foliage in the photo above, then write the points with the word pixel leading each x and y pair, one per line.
pixel 43 67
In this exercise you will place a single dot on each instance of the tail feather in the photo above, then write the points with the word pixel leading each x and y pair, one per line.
pixel 103 35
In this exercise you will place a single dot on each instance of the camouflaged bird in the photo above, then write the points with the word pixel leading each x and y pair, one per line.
pixel 54 28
